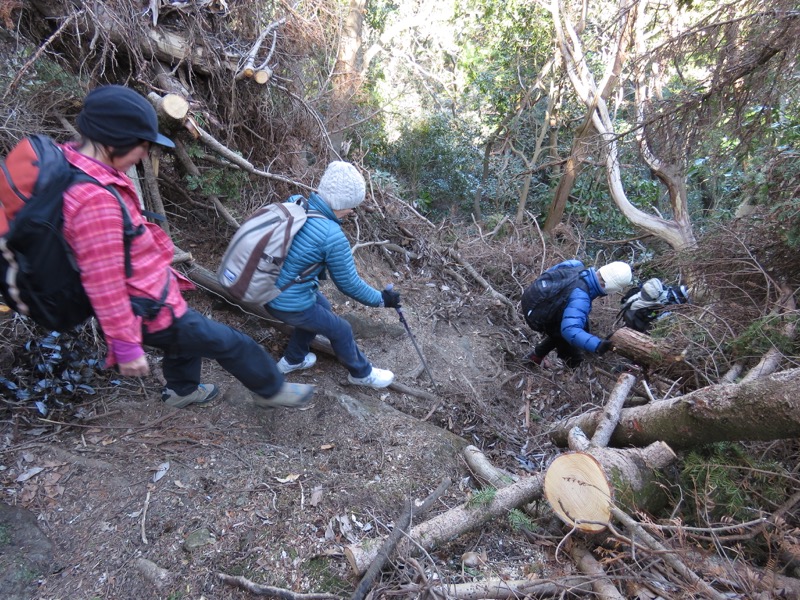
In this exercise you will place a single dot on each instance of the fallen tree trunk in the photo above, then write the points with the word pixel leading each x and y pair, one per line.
pixel 644 350
pixel 767 408
pixel 448 525
pixel 500 589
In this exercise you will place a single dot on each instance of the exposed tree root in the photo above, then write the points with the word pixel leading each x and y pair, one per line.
pixel 268 590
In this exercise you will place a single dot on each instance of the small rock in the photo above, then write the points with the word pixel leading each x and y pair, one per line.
pixel 196 539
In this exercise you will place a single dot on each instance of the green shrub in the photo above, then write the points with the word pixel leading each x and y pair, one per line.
pixel 722 482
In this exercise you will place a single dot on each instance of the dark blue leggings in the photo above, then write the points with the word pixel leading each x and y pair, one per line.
pixel 320 319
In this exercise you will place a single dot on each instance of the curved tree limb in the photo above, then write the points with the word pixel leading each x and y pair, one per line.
pixel 237 159
pixel 477 277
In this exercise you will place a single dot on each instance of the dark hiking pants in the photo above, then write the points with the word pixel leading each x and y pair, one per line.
pixel 194 337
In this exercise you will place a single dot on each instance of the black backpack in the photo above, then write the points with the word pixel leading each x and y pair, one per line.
pixel 38 274
pixel 543 302
pixel 638 312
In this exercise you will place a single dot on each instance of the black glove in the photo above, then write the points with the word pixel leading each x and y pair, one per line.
pixel 391 299
pixel 604 347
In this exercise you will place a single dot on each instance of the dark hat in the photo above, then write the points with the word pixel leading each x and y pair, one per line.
pixel 119 117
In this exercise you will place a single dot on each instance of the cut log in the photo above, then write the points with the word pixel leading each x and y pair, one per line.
pixel 578 492
pixel 765 409
pixel 171 106
pixel 262 76
pixel 644 350
pixel 448 525
pixel 580 486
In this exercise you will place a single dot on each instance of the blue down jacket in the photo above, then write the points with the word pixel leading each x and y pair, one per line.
pixel 321 241
pixel 575 321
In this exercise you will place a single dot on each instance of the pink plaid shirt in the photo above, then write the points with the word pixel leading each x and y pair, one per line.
pixel 93 229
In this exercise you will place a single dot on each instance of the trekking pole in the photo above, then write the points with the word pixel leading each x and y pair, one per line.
pixel 413 340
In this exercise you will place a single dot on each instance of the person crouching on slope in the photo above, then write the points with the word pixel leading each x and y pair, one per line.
pixel 322 242
pixel 118 126
pixel 569 335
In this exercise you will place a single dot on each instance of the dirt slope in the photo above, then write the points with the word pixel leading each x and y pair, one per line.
pixel 273 495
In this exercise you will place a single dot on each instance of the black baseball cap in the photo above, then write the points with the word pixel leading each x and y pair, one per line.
pixel 118 116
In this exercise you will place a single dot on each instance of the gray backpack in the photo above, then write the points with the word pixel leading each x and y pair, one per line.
pixel 255 255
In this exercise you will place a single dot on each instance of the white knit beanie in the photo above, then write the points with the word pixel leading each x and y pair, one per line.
pixel 616 275
pixel 342 186
pixel 652 289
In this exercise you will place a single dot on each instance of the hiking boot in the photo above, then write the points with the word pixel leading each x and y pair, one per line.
pixel 291 395
pixel 204 394
pixel 377 378
pixel 309 361
pixel 535 359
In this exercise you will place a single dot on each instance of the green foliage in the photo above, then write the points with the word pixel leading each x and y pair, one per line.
pixel 378 12
pixel 723 482
pixel 591 206
pixel 482 498
pixel 435 162
pixel 501 43
pixel 225 183
pixel 519 520
pixel 325 579
pixel 762 335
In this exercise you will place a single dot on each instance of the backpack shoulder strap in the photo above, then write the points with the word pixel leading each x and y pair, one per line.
pixel 303 201
pixel 128 230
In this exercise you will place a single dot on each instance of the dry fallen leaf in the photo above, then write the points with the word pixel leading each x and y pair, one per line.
pixel 32 472
pixel 316 495
pixel 161 471
pixel 289 478
pixel 327 446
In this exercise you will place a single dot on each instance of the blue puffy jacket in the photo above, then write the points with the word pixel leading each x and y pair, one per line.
pixel 579 305
pixel 321 240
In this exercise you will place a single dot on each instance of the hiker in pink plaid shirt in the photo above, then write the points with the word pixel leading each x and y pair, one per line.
pixel 118 126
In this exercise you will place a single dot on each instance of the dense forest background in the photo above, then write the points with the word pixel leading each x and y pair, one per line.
pixel 497 138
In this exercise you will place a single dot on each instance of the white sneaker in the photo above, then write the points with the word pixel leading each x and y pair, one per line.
pixel 377 378
pixel 309 361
